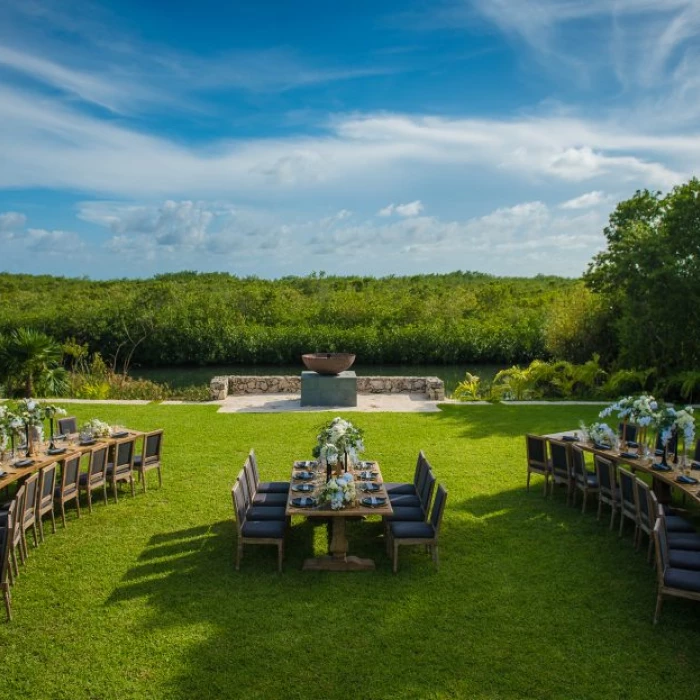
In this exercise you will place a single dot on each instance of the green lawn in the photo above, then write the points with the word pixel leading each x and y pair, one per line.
pixel 532 600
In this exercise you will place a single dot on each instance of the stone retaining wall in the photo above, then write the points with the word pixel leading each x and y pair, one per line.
pixel 221 387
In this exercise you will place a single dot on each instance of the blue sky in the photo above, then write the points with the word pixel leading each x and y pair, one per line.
pixel 277 138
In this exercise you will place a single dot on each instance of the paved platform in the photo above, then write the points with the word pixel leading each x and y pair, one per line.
pixel 367 403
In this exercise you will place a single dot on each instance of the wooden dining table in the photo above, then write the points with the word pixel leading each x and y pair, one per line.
pixel 338 559
pixel 648 465
pixel 12 468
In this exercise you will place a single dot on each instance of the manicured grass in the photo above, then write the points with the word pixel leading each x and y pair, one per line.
pixel 532 599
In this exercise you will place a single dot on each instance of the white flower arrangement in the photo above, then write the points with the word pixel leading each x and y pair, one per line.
pixel 53 411
pixel 684 424
pixel 339 492
pixel 600 433
pixel 31 412
pixel 639 410
pixel 339 437
pixel 96 428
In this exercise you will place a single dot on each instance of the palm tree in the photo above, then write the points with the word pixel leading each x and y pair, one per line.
pixel 31 359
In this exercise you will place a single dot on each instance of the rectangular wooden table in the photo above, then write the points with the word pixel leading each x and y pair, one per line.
pixel 11 473
pixel 641 464
pixel 338 559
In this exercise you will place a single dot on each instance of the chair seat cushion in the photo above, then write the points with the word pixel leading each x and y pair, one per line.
pixel 69 490
pixel 674 523
pixel 84 478
pixel 397 488
pixel 404 530
pixel 121 472
pixel 273 487
pixel 273 529
pixel 406 514
pixel 138 463
pixel 684 559
pixel 404 500
pixel 682 540
pixel 265 513
pixel 683 579
pixel 270 499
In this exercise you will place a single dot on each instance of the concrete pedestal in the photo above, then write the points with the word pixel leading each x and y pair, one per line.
pixel 329 390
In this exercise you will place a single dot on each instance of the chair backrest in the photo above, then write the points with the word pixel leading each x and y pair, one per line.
pixel 628 489
pixel 536 451
pixel 238 504
pixel 68 425
pixel 661 549
pixel 249 476
pixel 427 492
pixel 438 508
pixel 419 468
pixel 605 470
pixel 561 458
pixel 578 465
pixel 6 525
pixel 646 517
pixel 696 454
pixel 671 445
pixel 653 506
pixel 31 486
pixel 17 514
pixel 152 446
pixel 47 484
pixel 423 475
pixel 254 469
pixel 247 493
pixel 627 431
pixel 124 455
pixel 98 462
pixel 71 471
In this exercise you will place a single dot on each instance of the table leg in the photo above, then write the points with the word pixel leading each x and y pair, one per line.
pixel 338 559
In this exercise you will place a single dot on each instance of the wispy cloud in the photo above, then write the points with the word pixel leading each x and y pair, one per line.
pixel 409 209
pixel 586 201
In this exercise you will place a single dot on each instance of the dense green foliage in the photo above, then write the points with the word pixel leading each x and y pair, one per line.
pixel 190 318
pixel 649 279
pixel 532 599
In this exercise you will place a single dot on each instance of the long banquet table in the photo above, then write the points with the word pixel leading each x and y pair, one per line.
pixel 9 473
pixel 642 464
pixel 338 560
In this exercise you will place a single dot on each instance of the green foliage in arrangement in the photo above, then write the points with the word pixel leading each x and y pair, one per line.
pixel 649 279
pixel 190 318
pixel 151 580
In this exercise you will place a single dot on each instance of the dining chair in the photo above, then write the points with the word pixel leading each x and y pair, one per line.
pixel 150 457
pixel 417 513
pixel 256 531
pixel 68 425
pixel 419 533
pixel 96 475
pixel 628 500
pixel 678 558
pixel 584 481
pixel 608 490
pixel 261 512
pixel 671 581
pixel 645 516
pixel 6 526
pixel 15 535
pixel 266 486
pixel 561 468
pixel 261 499
pixel 69 489
pixel 537 462
pixel 415 499
pixel 47 487
pixel 687 541
pixel 396 488
pixel 122 469
pixel 26 518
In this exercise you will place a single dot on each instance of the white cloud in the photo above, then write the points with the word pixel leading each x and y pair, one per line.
pixel 586 201
pixel 11 221
pixel 39 240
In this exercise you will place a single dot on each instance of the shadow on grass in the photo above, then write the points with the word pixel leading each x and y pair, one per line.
pixel 518 574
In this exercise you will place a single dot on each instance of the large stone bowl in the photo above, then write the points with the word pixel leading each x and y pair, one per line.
pixel 328 362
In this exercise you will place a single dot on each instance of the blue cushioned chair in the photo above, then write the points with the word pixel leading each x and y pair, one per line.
pixel 255 531
pixel 265 486
pixel 584 481
pixel 608 490
pixel 394 488
pixel 257 498
pixel 122 469
pixel 417 533
pixel 263 512
pixel 537 461
pixel 96 475
pixel 419 512
pixel 150 457
pixel 628 499
pixel 646 515
pixel 672 581
pixel 6 525
pixel 560 467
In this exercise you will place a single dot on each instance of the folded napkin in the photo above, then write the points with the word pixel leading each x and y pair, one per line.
pixel 302 487
pixel 661 468
pixel 683 479
pixel 632 443
pixel 303 464
pixel 120 433
pixel 373 501
pixel 304 502
pixel 569 438
pixel 56 451
pixel 629 455
pixel 367 476
pixel 23 463
pixel 695 465
pixel 601 446
pixel 305 476
pixel 371 488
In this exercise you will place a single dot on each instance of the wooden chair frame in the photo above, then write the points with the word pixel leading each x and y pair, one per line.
pixel 581 476
pixel 628 502
pixel 96 476
pixel 608 489
pixel 69 489
pixel 47 488
pixel 431 543
pixel 122 470
pixel 646 518
pixel 15 541
pixel 561 473
pixel 26 518
pixel 150 457
pixel 6 529
pixel 537 462
pixel 240 510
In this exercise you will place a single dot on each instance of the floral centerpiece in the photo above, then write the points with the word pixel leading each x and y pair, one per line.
pixel 339 441
pixel 32 414
pixel 51 412
pixel 339 492
pixel 600 433
pixel 5 430
pixel 95 427
pixel 640 410
pixel 685 426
